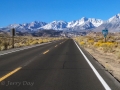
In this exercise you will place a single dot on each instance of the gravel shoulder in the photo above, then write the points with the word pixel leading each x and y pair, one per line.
pixel 108 60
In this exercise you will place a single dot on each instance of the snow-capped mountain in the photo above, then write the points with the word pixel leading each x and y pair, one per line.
pixel 84 23
pixel 26 26
pixel 113 24
pixel 32 25
pixel 114 19
pixel 35 25
pixel 95 22
pixel 55 25
pixel 84 20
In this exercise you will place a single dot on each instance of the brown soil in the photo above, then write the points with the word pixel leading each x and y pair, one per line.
pixel 108 60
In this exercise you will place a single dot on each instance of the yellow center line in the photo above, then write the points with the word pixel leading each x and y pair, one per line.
pixel 56 45
pixel 9 74
pixel 46 52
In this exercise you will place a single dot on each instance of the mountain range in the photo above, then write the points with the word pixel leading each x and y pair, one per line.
pixel 113 24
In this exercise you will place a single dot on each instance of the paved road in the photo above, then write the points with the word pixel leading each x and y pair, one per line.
pixel 55 66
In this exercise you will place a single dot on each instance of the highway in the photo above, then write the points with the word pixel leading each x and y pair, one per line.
pixel 60 65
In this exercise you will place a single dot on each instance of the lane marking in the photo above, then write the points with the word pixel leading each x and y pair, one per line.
pixel 31 60
pixel 94 70
pixel 46 52
pixel 9 74
pixel 56 45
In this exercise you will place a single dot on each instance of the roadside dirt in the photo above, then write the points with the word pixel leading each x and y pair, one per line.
pixel 108 60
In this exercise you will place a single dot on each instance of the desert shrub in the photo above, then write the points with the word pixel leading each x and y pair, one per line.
pixel 100 41
pixel 34 42
pixel 107 47
pixel 17 45
pixel 45 40
pixel 40 41
pixel 90 42
pixel 21 44
pixel 0 47
pixel 5 44
pixel 0 41
pixel 19 41
pixel 97 44
pixel 82 43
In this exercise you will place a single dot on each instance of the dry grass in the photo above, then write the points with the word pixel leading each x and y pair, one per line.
pixel 6 42
pixel 98 42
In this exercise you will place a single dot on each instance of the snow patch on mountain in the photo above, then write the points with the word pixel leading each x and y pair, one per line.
pixel 26 26
pixel 84 20
pixel 84 23
pixel 115 18
pixel 112 24
pixel 55 25
pixel 96 22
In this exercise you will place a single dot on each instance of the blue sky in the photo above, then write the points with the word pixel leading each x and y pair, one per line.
pixel 23 11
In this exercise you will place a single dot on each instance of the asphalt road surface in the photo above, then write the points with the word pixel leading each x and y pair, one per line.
pixel 60 65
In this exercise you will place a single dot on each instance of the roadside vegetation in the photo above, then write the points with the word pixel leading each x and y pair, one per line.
pixel 107 53
pixel 112 45
pixel 21 41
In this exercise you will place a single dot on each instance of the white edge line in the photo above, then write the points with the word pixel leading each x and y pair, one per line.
pixel 94 70
pixel 24 48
